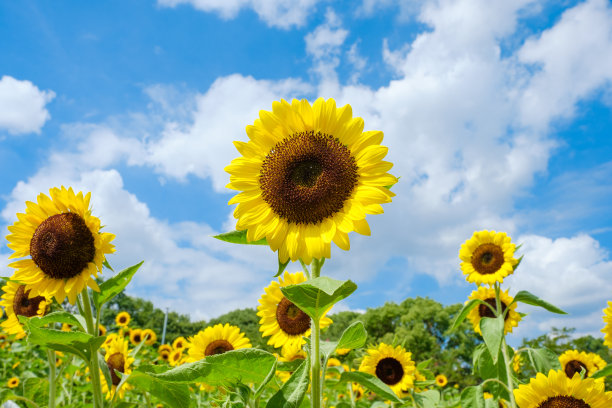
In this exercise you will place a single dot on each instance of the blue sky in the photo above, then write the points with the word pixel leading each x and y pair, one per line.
pixel 497 115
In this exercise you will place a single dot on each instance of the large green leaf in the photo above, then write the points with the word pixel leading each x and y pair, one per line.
pixel 492 332
pixel 484 367
pixel 543 360
pixel 604 372
pixel 293 391
pixel 74 342
pixel 227 369
pixel 239 237
pixel 467 308
pixel 473 397
pixel 174 394
pixel 58 317
pixel 531 299
pixel 314 297
pixel 427 399
pixel 113 286
pixel 372 383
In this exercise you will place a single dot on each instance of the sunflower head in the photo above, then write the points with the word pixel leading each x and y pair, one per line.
pixel 63 242
pixel 122 319
pixel 574 361
pixel 308 176
pixel 151 336
pixel 487 257
pixel 607 330
pixel 179 343
pixel 556 390
pixel 487 295
pixel 16 301
pixel 217 339
pixel 117 359
pixel 176 357
pixel 280 319
pixel 441 380
pixel 12 382
pixel 393 366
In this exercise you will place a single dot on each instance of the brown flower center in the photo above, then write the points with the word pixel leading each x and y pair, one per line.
pixel 25 306
pixel 137 338
pixel 389 371
pixel 218 347
pixel 485 311
pixel 116 362
pixel 164 355
pixel 563 401
pixel 62 246
pixel 307 177
pixel 291 319
pixel 575 366
pixel 487 258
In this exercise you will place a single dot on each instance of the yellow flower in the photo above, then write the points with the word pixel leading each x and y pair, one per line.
pixel 281 319
pixel 343 351
pixel 309 175
pixel 16 301
pixel 101 330
pixel 441 380
pixel 164 347
pixel 152 337
pixel 117 358
pixel 511 318
pixel 517 362
pixel 179 343
pixel 13 382
pixel 487 257
pixel 216 340
pixel 122 319
pixel 64 243
pixel 607 330
pixel 176 357
pixel 136 336
pixel 393 366
pixel 574 361
pixel 290 352
pixel 556 390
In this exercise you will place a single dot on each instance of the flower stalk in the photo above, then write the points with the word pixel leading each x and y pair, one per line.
pixel 94 367
pixel 499 312
pixel 316 393
pixel 52 386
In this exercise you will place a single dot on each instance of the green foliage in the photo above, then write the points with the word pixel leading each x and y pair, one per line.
pixel 316 296
pixel 293 391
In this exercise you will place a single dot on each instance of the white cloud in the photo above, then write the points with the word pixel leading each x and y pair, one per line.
pixel 276 13
pixel 22 106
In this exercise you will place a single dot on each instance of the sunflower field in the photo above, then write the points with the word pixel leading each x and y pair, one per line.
pixel 308 176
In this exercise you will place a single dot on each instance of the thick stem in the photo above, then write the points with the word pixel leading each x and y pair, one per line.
pixel 316 394
pixel 504 349
pixel 52 386
pixel 94 368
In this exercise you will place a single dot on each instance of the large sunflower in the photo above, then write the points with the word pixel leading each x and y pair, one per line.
pixel 16 301
pixel 216 340
pixel 487 257
pixel 393 366
pixel 308 176
pixel 511 318
pixel 281 319
pixel 117 357
pixel 556 390
pixel 64 243
pixel 573 361
pixel 607 330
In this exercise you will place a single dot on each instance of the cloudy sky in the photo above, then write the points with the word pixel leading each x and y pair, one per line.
pixel 497 115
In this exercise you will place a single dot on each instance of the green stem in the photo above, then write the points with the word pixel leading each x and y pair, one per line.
pixel 94 368
pixel 504 349
pixel 52 387
pixel 316 394
pixel 24 399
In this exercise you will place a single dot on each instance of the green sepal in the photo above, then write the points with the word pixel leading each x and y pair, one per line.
pixel 281 266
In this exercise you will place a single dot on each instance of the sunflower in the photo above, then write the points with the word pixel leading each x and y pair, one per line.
pixel 136 336
pixel 517 362
pixel 165 354
pixel 607 330
pixel 441 380
pixel 164 347
pixel 122 319
pixel 511 317
pixel 64 243
pixel 179 343
pixel 13 382
pixel 290 353
pixel 109 340
pixel 309 175
pixel 487 257
pixel 152 337
pixel 16 301
pixel 117 358
pixel 176 357
pixel 393 366
pixel 281 319
pixel 574 361
pixel 216 340
pixel 556 390
pixel 101 330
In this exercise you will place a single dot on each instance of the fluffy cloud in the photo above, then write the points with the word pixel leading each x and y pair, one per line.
pixel 276 13
pixel 22 106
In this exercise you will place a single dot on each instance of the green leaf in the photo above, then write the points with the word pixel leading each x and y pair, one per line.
pixel 239 237
pixel 427 399
pixel 107 265
pixel 604 372
pixel 484 367
pixel 473 397
pixel 174 394
pixel 230 368
pixel 57 317
pixel 543 360
pixel 266 380
pixel 492 333
pixel 372 383
pixel 530 299
pixel 293 391
pixel 288 365
pixel 467 308
pixel 281 267
pixel 316 296
pixel 113 286
pixel 353 337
